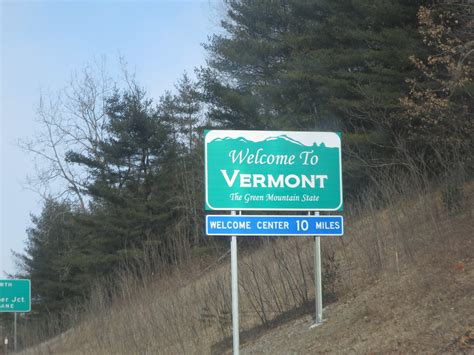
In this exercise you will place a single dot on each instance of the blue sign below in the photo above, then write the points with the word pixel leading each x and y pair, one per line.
pixel 274 225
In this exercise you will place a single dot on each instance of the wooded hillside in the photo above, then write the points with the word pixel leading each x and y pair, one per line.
pixel 395 76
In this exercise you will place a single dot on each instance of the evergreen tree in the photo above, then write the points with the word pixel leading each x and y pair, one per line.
pixel 188 108
pixel 53 258
pixel 128 185
pixel 167 113
pixel 313 65
pixel 309 64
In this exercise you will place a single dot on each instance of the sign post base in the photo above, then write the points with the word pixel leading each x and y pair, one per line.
pixel 314 325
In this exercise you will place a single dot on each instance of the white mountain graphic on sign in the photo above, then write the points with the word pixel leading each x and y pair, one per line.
pixel 269 139
pixel 285 137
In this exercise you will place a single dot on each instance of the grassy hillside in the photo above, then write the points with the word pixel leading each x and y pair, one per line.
pixel 400 280
pixel 423 308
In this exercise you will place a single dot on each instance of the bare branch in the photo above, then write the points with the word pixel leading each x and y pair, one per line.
pixel 73 120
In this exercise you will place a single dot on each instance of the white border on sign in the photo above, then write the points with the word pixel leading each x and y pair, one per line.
pixel 273 235
pixel 330 140
pixel 29 295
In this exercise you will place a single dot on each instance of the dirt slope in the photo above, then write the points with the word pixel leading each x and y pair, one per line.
pixel 405 284
pixel 426 309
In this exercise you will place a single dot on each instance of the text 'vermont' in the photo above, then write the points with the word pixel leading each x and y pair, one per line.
pixel 270 181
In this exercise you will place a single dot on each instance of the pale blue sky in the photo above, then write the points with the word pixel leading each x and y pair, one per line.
pixel 42 43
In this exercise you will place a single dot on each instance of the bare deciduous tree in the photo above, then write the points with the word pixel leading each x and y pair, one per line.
pixel 71 120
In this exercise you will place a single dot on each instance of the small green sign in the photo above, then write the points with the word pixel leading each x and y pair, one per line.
pixel 15 296
pixel 273 170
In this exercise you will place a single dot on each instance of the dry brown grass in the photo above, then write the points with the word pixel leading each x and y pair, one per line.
pixel 425 308
pixel 188 311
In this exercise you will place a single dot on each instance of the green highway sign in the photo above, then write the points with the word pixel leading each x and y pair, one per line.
pixel 15 296
pixel 273 170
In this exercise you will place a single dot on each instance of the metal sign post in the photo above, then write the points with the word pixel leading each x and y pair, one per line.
pixel 235 292
pixel 318 291
pixel 318 294
pixel 14 333
pixel 318 283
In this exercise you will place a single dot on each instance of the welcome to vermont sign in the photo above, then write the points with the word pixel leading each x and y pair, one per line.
pixel 272 170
